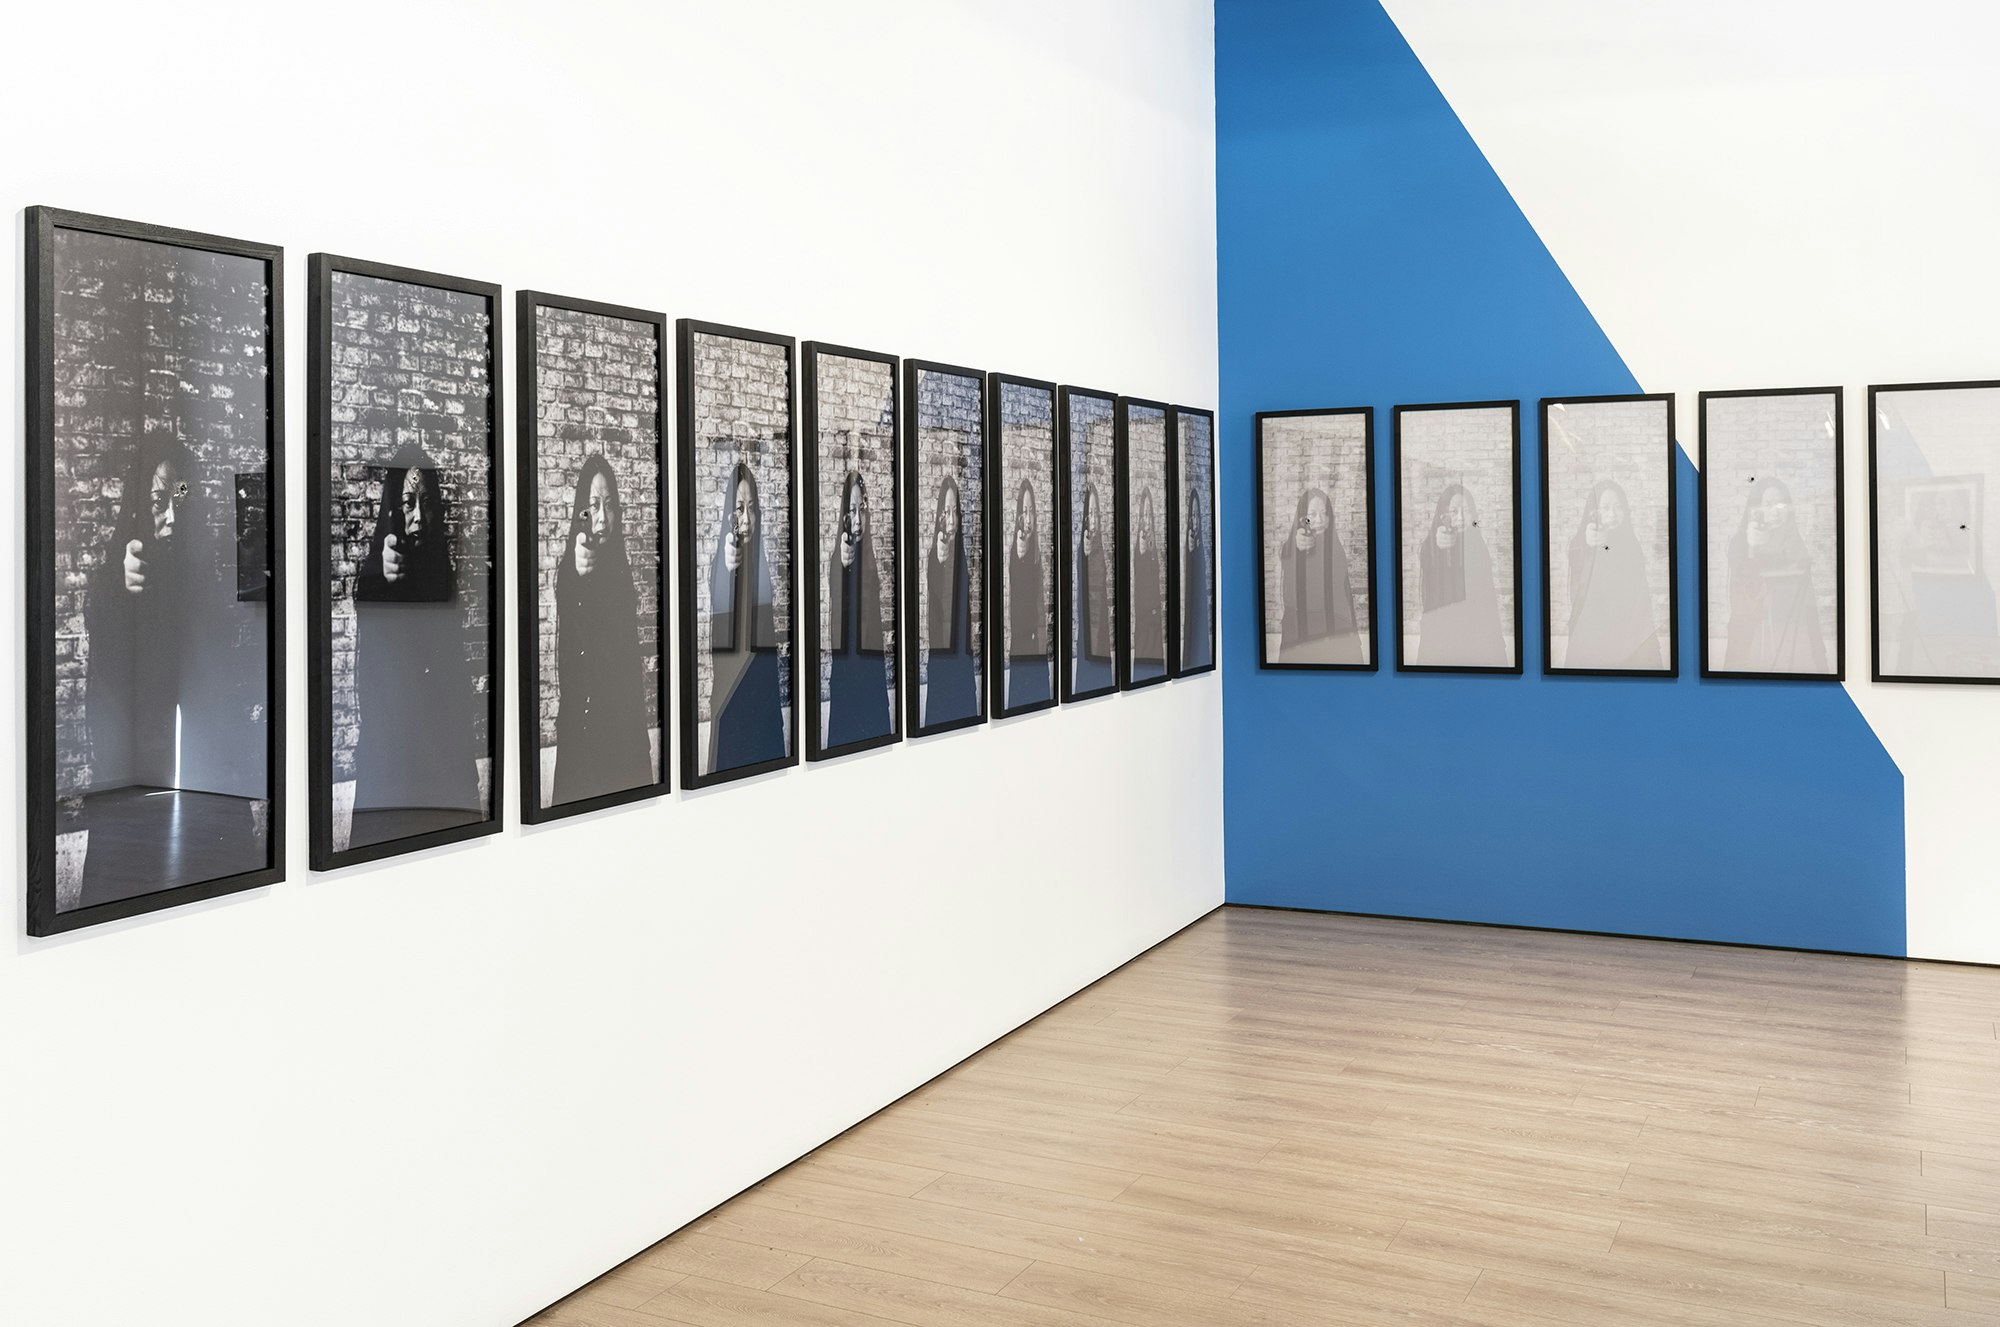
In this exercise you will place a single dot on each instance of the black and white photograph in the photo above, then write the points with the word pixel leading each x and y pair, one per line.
pixel 1022 517
pixel 155 609
pixel 1608 543
pixel 1316 539
pixel 851 416
pixel 1146 520
pixel 945 496
pixel 1933 455
pixel 1771 548
pixel 592 529
pixel 1088 582
pixel 1458 536
pixel 405 503
pixel 1194 475
pixel 735 413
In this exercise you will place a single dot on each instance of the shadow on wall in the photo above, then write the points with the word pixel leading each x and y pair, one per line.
pixel 1369 255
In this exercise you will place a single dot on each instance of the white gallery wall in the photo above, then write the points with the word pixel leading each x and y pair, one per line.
pixel 1770 194
pixel 449 1088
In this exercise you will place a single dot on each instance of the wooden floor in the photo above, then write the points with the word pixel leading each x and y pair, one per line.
pixel 1280 1118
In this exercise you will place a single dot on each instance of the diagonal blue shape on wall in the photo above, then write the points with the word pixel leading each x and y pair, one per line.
pixel 1369 255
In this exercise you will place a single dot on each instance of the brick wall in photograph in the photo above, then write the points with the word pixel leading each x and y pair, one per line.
pixel 857 433
pixel 949 434
pixel 742 415
pixel 597 393
pixel 1028 452
pixel 1093 465
pixel 1302 453
pixel 410 366
pixel 1473 448
pixel 1624 441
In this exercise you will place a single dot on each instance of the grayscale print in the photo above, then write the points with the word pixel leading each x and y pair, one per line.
pixel 1148 513
pixel 1608 518
pixel 1458 548
pixel 1197 522
pixel 1770 478
pixel 599 578
pixel 854 472
pixel 1936 453
pixel 1090 495
pixel 947 465
pixel 1025 481
pixel 1314 531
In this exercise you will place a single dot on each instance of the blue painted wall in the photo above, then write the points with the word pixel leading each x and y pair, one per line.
pixel 1368 255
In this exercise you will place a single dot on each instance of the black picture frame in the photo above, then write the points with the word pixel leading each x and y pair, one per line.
pixel 813 580
pixel 1373 662
pixel 1709 669
pixel 320 271
pixel 1876 671
pixel 1177 666
pixel 996 552
pixel 1128 678
pixel 916 550
pixel 1513 409
pixel 1671 461
pixel 527 524
pixel 1068 570
pixel 685 331
pixel 45 916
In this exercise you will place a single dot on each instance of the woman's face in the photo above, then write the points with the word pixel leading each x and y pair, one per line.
pixel 1024 511
pixel 166 492
pixel 946 523
pixel 1313 524
pixel 856 523
pixel 415 505
pixel 1610 510
pixel 743 516
pixel 1774 509
pixel 597 508
pixel 1144 536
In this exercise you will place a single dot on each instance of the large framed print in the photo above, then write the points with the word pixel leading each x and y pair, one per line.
pixel 1193 645
pixel 1316 539
pixel 1458 536
pixel 591 396
pixel 1933 456
pixel 734 394
pixel 1145 534
pixel 1087 604
pixel 1610 596
pixel 404 499
pixel 1021 516
pixel 1772 579
pixel 851 623
pixel 155 576
pixel 944 492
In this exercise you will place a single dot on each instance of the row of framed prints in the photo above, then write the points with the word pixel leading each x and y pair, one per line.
pixel 966 545
pixel 1772 556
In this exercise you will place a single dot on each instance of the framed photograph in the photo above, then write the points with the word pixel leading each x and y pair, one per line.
pixel 735 404
pixel 1088 599
pixel 1145 533
pixel 155 578
pixel 1194 474
pixel 1933 451
pixel 404 499
pixel 1021 515
pixel 1316 539
pixel 1772 580
pixel 944 488
pixel 851 416
pixel 593 554
pixel 1608 544
pixel 1458 537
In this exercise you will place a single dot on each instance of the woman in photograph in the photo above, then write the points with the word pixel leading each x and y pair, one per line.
pixel 1090 669
pixel 951 676
pixel 1196 648
pixel 1318 624
pixel 857 697
pixel 1029 678
pixel 1149 588
pixel 1611 623
pixel 1460 625
pixel 416 759
pixel 601 741
pixel 746 716
pixel 1773 610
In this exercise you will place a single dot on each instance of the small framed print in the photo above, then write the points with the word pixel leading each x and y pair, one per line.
pixel 405 504
pixel 1021 514
pixel 944 488
pixel 1772 592
pixel 852 414
pixel 593 554
pixel 1088 602
pixel 1194 475
pixel 1458 537
pixel 155 571
pixel 734 394
pixel 1608 545
pixel 1145 533
pixel 1316 539
pixel 1933 455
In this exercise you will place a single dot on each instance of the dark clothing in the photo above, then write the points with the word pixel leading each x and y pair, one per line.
pixel 746 716
pixel 858 685
pixel 601 739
